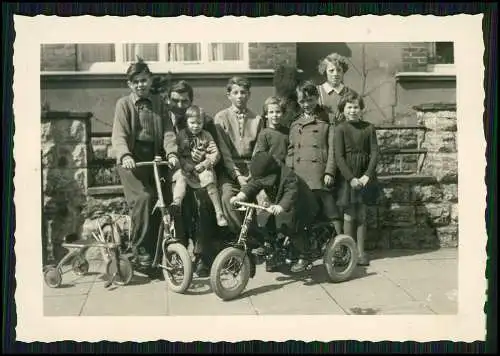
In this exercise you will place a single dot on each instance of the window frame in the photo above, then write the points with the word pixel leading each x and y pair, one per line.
pixel 441 68
pixel 162 66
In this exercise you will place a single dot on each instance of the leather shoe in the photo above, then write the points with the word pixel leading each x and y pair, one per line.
pixel 299 266
pixel 363 260
pixel 201 270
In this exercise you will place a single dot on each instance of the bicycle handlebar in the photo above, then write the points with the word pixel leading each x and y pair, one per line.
pixel 250 205
pixel 150 163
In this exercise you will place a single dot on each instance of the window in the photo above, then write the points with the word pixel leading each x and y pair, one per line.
pixel 219 52
pixel 163 57
pixel 183 52
pixel 441 57
pixel 88 54
pixel 441 53
pixel 147 51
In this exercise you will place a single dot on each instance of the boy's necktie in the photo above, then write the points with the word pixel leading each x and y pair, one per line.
pixel 241 116
pixel 144 107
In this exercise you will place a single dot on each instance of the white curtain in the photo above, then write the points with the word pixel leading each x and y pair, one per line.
pixel 183 52
pixel 147 51
pixel 94 53
pixel 226 52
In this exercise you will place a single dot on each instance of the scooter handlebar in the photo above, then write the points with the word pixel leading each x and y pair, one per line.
pixel 251 205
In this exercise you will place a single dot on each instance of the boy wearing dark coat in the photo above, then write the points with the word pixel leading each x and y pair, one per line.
pixel 293 204
pixel 311 152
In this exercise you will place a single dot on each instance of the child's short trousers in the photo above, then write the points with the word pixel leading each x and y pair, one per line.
pixel 328 208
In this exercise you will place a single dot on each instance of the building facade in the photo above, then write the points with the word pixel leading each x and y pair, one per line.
pixel 393 76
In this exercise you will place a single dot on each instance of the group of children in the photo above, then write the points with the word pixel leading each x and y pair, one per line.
pixel 311 169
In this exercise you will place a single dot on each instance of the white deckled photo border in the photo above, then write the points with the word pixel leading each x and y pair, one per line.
pixel 464 30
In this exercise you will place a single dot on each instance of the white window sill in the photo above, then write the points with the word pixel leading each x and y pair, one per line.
pixel 444 69
pixel 434 72
pixel 186 74
pixel 155 67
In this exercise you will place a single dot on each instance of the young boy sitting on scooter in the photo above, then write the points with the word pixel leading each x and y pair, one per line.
pixel 293 204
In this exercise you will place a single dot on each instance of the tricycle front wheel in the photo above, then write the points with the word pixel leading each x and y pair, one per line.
pixel 234 263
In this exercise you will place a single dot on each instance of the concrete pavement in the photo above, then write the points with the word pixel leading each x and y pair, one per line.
pixel 396 282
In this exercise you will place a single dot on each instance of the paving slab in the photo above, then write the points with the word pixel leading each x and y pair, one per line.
pixel 419 283
pixel 373 290
pixel 200 300
pixel 406 308
pixel 434 282
pixel 63 305
pixel 142 297
pixel 395 255
pixel 293 297
pixel 73 284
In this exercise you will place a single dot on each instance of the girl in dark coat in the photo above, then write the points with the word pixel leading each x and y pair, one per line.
pixel 356 155
pixel 293 204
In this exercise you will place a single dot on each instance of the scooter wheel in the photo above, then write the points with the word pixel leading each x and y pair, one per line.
pixel 235 263
pixel 53 277
pixel 180 272
pixel 126 271
pixel 340 258
pixel 80 265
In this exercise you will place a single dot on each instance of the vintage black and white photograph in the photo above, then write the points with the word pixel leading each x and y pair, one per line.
pixel 215 176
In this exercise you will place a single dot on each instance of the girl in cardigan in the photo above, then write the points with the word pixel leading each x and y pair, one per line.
pixel 331 91
pixel 356 155
pixel 273 138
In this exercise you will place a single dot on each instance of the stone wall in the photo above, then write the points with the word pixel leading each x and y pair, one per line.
pixel 418 207
pixel 65 152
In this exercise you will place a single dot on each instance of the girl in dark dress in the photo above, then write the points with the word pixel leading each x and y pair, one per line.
pixel 356 155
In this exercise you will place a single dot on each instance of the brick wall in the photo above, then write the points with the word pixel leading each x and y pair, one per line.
pixel 58 57
pixel 415 57
pixel 261 56
pixel 266 55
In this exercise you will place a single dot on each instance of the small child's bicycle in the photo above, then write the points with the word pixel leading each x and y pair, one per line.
pixel 338 251
pixel 118 268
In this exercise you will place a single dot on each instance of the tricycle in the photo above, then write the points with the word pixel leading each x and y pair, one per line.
pixel 238 261
pixel 118 268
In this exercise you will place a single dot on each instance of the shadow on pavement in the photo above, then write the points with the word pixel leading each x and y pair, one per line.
pixel 364 311
pixel 199 287
pixel 318 275
pixel 67 285
pixel 264 289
